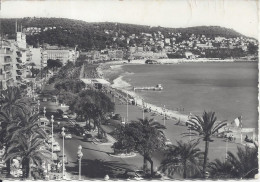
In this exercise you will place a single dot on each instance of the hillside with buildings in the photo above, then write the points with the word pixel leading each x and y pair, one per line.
pixel 27 44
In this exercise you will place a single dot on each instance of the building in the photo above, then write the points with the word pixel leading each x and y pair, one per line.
pixel 36 56
pixel 11 65
pixel 64 55
pixel 115 54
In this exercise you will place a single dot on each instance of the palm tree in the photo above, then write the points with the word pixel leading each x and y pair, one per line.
pixel 149 138
pixel 182 157
pixel 221 170
pixel 12 109
pixel 204 127
pixel 30 149
pixel 13 102
pixel 28 124
pixel 245 163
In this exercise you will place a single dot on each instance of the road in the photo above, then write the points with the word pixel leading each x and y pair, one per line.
pixel 96 161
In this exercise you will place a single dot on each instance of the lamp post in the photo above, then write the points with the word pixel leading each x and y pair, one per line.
pixel 143 107
pixel 164 115
pixel 44 111
pixel 63 134
pixel 80 155
pixel 127 108
pixel 52 121
pixel 38 106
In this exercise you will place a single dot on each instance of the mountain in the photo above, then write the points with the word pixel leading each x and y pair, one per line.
pixel 68 32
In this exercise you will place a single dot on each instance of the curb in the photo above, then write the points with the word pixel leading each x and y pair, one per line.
pixel 118 156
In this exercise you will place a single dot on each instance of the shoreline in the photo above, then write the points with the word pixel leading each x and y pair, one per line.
pixel 118 89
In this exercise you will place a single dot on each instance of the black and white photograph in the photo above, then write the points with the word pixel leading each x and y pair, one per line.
pixel 129 90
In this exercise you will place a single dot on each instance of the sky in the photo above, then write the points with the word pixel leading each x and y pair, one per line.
pixel 240 15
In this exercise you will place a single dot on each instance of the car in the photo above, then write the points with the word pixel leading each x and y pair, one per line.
pixel 132 175
pixel 65 158
pixel 88 137
pixel 56 147
pixel 168 142
pixel 68 136
pixel 65 116
pixel 49 140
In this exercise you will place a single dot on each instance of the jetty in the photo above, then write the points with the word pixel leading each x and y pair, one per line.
pixel 158 87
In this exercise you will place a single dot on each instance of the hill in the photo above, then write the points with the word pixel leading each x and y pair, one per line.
pixel 67 32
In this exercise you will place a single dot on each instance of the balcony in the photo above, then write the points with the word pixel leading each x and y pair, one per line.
pixel 18 53
pixel 6 51
pixel 7 59
pixel 19 72
pixel 19 67
pixel 18 78
pixel 19 60
pixel 7 68
pixel 8 76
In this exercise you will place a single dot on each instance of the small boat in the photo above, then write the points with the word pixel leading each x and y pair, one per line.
pixel 158 87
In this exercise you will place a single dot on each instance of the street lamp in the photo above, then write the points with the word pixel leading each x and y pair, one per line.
pixel 80 155
pixel 52 121
pixel 63 134
pixel 127 108
pixel 164 115
pixel 38 106
pixel 44 111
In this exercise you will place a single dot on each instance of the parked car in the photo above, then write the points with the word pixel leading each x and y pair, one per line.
pixel 65 158
pixel 64 116
pixel 131 175
pixel 56 147
pixel 168 142
pixel 88 137
pixel 49 140
pixel 68 136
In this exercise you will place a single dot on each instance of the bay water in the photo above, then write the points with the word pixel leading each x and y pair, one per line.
pixel 229 89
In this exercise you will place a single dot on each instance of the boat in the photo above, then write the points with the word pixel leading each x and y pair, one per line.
pixel 158 87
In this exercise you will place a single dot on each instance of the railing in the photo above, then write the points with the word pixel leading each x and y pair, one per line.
pixel 19 60
pixel 18 54
pixel 19 72
pixel 19 67
pixel 5 51
pixel 8 76
pixel 18 78
pixel 7 68
pixel 7 59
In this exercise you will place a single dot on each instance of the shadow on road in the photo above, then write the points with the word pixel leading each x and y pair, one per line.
pixel 98 168
pixel 97 150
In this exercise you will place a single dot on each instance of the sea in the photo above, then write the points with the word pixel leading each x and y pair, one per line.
pixel 229 89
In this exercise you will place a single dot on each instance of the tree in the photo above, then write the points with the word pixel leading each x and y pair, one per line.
pixel 69 85
pixel 31 149
pixel 12 109
pixel 148 137
pixel 13 102
pixel 92 104
pixel 182 157
pixel 204 127
pixel 245 163
pixel 221 170
pixel 54 64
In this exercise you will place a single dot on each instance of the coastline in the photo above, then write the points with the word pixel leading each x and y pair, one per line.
pixel 174 121
pixel 119 90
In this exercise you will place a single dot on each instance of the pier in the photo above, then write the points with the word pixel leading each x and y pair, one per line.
pixel 158 87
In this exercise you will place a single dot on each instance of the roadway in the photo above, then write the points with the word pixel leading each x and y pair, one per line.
pixel 96 161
